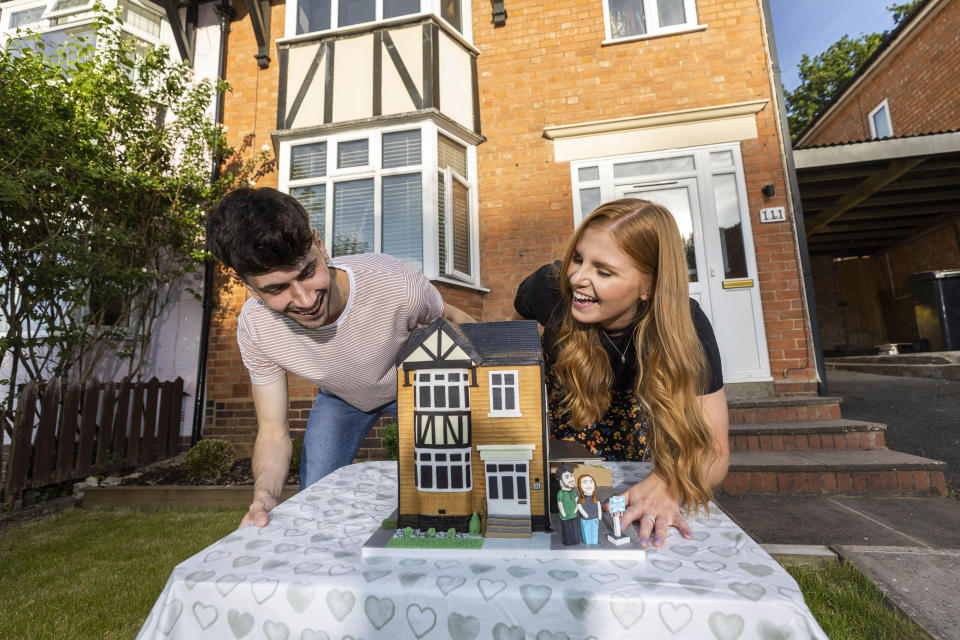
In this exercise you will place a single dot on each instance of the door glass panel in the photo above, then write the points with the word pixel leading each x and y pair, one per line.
pixel 643 168
pixel 493 487
pixel 731 231
pixel 507 487
pixel 677 201
pixel 721 160
pixel 521 488
pixel 586 174
pixel 589 200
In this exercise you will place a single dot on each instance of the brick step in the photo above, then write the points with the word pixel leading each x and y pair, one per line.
pixel 804 435
pixel 782 409
pixel 507 527
pixel 874 472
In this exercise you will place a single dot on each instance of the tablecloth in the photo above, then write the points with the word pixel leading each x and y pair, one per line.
pixel 302 578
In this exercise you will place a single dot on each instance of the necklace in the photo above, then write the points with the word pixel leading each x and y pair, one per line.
pixel 623 354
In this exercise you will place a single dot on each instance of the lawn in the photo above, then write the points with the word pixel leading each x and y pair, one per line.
pixel 96 574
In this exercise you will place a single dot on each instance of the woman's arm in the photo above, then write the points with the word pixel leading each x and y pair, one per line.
pixel 652 497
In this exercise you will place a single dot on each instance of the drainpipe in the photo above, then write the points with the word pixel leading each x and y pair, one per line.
pixel 225 13
pixel 794 184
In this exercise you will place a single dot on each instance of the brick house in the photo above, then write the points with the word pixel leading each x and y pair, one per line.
pixel 878 173
pixel 471 138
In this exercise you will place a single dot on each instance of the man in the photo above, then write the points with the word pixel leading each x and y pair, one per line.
pixel 567 505
pixel 339 324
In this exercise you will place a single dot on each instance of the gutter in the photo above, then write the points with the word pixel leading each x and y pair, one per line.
pixel 794 187
pixel 225 13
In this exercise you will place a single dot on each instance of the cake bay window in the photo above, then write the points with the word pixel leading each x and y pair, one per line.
pixel 443 469
pixel 406 190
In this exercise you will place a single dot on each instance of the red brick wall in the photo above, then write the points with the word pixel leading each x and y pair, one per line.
pixel 919 82
pixel 546 67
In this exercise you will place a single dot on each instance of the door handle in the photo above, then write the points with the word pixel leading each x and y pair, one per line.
pixel 713 272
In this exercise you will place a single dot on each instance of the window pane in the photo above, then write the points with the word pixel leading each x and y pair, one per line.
pixel 508 379
pixel 450 154
pixel 492 487
pixel 491 468
pixel 142 19
pixel 354 153
pixel 68 4
pixel 424 392
pixel 456 457
pixel 496 378
pixel 26 18
pixel 401 149
pixel 509 400
pixel 440 457
pixel 521 468
pixel 626 18
pixel 586 174
pixel 425 457
pixel 589 200
pixel 353 217
pixel 505 467
pixel 682 164
pixel 308 161
pixel 426 476
pixel 357 11
pixel 677 201
pixel 456 477
pixel 671 12
pixel 521 488
pixel 313 15
pixel 394 8
pixel 731 233
pixel 461 228
pixel 402 203
pixel 439 398
pixel 450 11
pixel 442 222
pixel 453 393
pixel 497 395
pixel 314 200
pixel 881 123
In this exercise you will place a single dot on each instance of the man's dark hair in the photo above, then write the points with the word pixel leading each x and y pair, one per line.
pixel 563 468
pixel 255 231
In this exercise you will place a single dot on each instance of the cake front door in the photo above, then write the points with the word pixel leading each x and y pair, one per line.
pixel 508 485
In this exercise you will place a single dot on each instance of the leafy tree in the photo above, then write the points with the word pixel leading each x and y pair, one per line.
pixel 105 174
pixel 824 75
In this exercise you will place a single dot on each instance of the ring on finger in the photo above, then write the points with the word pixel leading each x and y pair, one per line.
pixel 649 517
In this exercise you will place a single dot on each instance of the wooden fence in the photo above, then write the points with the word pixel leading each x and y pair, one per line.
pixel 68 431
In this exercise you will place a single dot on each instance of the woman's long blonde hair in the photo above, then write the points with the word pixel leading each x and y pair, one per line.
pixel 671 366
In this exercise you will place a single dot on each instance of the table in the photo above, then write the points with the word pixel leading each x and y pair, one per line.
pixel 302 577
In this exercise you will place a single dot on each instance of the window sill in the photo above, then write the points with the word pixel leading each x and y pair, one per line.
pixel 505 414
pixel 460 283
pixel 658 34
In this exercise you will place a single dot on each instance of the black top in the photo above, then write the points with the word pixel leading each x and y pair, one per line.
pixel 539 298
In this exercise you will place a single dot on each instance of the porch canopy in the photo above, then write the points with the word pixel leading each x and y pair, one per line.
pixel 862 197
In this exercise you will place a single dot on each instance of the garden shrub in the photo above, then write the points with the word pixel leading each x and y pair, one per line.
pixel 408 532
pixel 297 454
pixel 475 527
pixel 451 533
pixel 390 440
pixel 389 523
pixel 431 532
pixel 210 459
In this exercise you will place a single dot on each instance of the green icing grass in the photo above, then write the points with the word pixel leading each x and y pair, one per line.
pixel 435 543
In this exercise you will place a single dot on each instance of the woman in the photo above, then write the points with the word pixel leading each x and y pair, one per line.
pixel 589 509
pixel 632 365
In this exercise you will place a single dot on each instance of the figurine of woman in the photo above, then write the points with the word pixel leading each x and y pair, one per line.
pixel 589 509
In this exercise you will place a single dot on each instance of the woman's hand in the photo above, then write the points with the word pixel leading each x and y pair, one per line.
pixel 652 503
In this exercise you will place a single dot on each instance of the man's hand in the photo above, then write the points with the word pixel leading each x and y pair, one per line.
pixel 257 513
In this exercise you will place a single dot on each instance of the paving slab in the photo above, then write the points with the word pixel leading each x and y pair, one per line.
pixel 921 582
pixel 829 520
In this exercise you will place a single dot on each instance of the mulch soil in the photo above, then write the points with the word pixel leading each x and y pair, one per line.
pixel 240 473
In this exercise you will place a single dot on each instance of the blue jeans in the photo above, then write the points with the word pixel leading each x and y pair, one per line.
pixel 335 430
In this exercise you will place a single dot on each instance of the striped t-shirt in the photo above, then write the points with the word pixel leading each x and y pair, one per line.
pixel 353 358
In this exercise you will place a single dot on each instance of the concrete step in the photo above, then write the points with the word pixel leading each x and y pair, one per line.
pixel 858 472
pixel 782 409
pixel 911 370
pixel 803 435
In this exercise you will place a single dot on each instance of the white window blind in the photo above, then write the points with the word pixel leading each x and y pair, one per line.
pixel 353 217
pixel 308 161
pixel 401 149
pixel 314 200
pixel 403 218
pixel 354 153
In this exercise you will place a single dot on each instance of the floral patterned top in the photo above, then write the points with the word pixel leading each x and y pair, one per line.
pixel 621 433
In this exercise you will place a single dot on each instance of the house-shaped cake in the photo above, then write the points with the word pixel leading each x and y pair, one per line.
pixel 472 428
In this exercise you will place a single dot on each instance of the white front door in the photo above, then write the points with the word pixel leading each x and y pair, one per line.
pixel 704 189
pixel 508 487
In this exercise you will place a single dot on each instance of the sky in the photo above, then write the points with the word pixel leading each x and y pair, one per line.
pixel 810 26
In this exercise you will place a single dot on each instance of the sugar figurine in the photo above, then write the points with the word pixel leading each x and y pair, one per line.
pixel 567 505
pixel 589 509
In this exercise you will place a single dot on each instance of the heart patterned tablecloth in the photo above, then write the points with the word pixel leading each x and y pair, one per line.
pixel 302 578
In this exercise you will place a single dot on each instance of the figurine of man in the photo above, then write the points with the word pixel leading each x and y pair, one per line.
pixel 567 504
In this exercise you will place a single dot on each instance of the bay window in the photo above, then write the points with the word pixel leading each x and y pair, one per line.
pixel 405 191
pixel 311 16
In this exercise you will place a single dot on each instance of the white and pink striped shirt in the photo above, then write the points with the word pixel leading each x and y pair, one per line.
pixel 353 358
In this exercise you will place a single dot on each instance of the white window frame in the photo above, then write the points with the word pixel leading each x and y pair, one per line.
pixel 652 17
pixel 444 382
pixel 514 389
pixel 428 170
pixel 427 8
pixel 883 106
pixel 465 463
